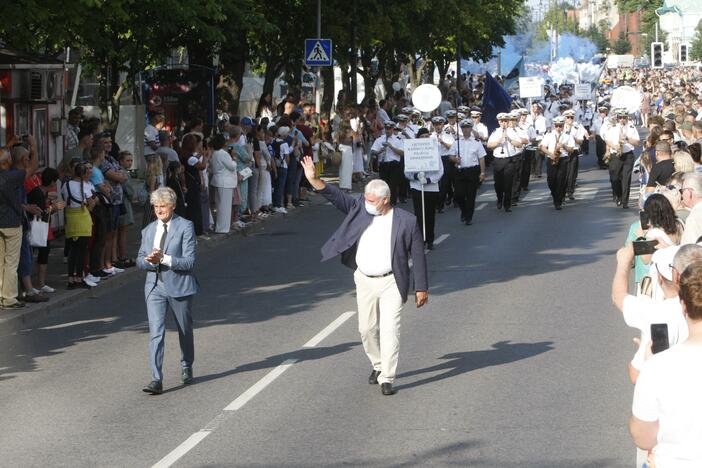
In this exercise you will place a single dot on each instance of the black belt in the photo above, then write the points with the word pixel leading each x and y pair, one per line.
pixel 390 162
pixel 377 276
pixel 467 168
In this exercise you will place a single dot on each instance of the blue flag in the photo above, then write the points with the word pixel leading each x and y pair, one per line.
pixel 495 100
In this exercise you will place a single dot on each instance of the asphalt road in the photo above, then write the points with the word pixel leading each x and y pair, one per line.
pixel 517 361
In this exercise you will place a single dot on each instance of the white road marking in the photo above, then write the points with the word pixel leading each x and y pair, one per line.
pixel 182 449
pixel 329 329
pixel 481 206
pixel 259 386
pixel 441 238
pixel 79 322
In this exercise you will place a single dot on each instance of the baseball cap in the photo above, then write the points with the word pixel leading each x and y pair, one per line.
pixel 247 121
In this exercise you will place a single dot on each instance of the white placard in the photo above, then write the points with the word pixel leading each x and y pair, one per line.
pixel 583 92
pixel 531 87
pixel 421 155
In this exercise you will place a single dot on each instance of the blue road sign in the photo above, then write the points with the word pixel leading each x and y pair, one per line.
pixel 318 52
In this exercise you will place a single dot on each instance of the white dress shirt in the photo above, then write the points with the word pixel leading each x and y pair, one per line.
pixel 613 134
pixel 506 149
pixel 471 150
pixel 374 252
pixel 166 260
pixel 384 152
pixel 566 141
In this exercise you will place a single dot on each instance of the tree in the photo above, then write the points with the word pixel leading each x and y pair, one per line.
pixel 596 35
pixel 696 46
pixel 556 18
pixel 621 45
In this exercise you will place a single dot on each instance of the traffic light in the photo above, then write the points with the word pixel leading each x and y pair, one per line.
pixel 656 55
pixel 683 53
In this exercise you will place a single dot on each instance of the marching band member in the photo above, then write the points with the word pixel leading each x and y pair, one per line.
pixel 446 141
pixel 600 124
pixel 557 146
pixel 514 117
pixel 451 128
pixel 574 128
pixel 529 149
pixel 505 143
pixel 538 122
pixel 480 130
pixel 469 158
pixel 621 139
pixel 388 149
pixel 430 181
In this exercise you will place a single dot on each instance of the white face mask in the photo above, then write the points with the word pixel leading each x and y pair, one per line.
pixel 372 209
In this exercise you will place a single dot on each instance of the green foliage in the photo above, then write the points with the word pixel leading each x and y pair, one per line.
pixel 597 36
pixel 557 18
pixel 696 46
pixel 622 45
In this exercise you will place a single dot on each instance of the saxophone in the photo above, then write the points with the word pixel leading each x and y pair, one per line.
pixel 557 150
pixel 622 140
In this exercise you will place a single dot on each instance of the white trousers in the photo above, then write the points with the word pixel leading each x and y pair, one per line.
pixel 224 210
pixel 379 306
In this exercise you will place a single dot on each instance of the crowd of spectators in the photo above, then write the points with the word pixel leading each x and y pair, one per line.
pixel 663 247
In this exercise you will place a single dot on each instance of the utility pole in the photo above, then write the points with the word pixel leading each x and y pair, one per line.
pixel 318 92
pixel 354 57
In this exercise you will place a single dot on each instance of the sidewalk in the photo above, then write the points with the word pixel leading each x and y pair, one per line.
pixel 13 321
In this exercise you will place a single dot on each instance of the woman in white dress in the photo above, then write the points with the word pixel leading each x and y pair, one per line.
pixel 265 187
pixel 357 127
pixel 344 137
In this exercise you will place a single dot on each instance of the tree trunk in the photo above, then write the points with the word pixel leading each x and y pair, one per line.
pixel 328 95
pixel 269 77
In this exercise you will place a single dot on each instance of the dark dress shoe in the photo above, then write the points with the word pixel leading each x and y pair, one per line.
pixel 571 197
pixel 625 206
pixel 430 246
pixel 187 375
pixel 154 388
pixel 468 222
pixel 558 207
pixel 499 204
pixel 508 209
pixel 373 377
pixel 386 389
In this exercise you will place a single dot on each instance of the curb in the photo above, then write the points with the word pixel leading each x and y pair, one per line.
pixel 16 321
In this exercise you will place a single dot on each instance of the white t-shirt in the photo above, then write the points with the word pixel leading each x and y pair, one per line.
pixel 150 135
pixel 74 187
pixel 668 391
pixel 641 311
pixel 374 252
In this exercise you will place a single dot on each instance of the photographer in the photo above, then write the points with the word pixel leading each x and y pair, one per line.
pixel 666 411
pixel 641 311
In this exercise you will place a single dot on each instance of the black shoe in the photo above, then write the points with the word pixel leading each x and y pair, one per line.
pixel 468 222
pixel 430 246
pixel 499 204
pixel 559 207
pixel 508 209
pixel 16 305
pixel 625 206
pixel 525 189
pixel 187 375
pixel 386 389
pixel 463 219
pixel 154 388
pixel 571 197
pixel 618 201
pixel 100 274
pixel 373 377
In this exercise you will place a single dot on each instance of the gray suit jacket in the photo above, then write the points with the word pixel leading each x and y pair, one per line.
pixel 178 279
pixel 407 241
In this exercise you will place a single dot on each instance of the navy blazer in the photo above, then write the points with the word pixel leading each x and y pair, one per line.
pixel 178 279
pixel 407 241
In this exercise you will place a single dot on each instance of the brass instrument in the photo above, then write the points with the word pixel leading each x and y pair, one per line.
pixel 557 150
pixel 622 140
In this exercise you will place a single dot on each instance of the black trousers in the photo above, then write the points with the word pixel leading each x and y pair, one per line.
pixel 572 173
pixel 391 173
pixel 527 161
pixel 503 173
pixel 101 214
pixel 467 182
pixel 556 178
pixel 600 148
pixel 517 178
pixel 431 199
pixel 446 184
pixel 537 163
pixel 404 186
pixel 620 169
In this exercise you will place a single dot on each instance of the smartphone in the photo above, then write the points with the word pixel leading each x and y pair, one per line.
pixel 659 337
pixel 644 247
pixel 645 221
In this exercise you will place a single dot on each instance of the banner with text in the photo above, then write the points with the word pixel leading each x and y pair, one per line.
pixel 421 155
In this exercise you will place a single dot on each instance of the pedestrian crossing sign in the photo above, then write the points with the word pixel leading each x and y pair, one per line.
pixel 318 52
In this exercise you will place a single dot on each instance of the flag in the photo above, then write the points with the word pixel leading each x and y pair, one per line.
pixel 495 100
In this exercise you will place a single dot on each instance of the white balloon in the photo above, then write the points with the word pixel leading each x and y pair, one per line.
pixel 426 97
pixel 396 86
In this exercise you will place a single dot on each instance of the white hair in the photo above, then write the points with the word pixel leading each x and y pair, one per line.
pixel 163 195
pixel 686 256
pixel 693 180
pixel 378 187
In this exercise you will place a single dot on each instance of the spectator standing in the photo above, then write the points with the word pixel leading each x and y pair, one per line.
pixel 151 141
pixel 80 151
pixel 73 127
pixel 153 179
pixel 666 411
pixel 11 191
pixel 39 196
pixel 165 150
pixel 266 170
pixel 193 164
pixel 101 213
pixel 79 194
pixel 663 169
pixel 115 176
pixel 224 179
pixel 126 218
pixel 265 107
pixel 692 199
pixel 280 151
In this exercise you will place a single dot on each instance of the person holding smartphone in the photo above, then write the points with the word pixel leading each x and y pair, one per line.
pixel 666 411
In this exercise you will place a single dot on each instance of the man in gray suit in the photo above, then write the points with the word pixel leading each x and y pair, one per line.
pixel 377 241
pixel 167 253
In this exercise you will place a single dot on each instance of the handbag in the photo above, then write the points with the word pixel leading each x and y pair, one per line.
pixel 245 173
pixel 38 232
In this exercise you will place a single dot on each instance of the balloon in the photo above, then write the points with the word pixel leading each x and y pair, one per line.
pixel 396 86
